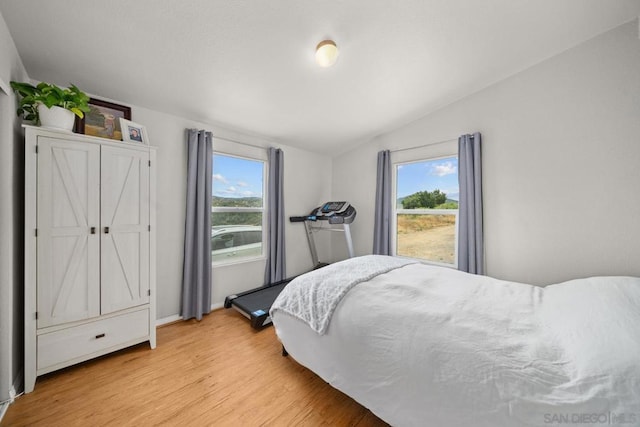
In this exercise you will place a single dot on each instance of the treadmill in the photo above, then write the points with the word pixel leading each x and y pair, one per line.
pixel 256 303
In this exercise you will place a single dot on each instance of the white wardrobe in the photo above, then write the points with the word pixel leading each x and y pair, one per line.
pixel 89 248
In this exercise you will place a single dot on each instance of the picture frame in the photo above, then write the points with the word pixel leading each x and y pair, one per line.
pixel 133 132
pixel 103 119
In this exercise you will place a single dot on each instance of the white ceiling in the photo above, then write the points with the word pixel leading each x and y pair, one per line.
pixel 249 65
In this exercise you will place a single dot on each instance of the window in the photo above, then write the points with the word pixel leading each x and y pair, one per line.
pixel 237 208
pixel 426 210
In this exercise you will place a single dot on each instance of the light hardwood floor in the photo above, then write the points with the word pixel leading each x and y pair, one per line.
pixel 215 372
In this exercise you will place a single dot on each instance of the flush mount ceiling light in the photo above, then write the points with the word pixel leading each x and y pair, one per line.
pixel 326 53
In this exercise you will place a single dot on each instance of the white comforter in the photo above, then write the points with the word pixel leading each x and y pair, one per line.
pixel 430 346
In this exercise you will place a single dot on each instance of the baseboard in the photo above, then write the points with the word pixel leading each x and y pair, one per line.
pixel 169 319
pixel 177 317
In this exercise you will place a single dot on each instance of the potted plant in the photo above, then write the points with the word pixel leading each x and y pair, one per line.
pixel 50 105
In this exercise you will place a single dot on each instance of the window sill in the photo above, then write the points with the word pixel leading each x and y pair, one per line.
pixel 230 263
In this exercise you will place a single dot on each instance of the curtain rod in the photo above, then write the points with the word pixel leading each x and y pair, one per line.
pixel 423 145
pixel 238 142
pixel 430 144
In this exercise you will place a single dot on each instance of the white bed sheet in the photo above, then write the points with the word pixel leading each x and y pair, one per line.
pixel 431 346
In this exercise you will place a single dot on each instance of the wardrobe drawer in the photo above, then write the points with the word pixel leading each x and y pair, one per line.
pixel 82 340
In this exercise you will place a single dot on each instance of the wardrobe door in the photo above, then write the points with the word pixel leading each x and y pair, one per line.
pixel 68 217
pixel 124 228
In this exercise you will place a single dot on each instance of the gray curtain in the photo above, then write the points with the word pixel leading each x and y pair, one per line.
pixel 470 239
pixel 196 276
pixel 382 224
pixel 275 269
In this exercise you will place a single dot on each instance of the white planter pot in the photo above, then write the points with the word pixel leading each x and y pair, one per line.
pixel 56 117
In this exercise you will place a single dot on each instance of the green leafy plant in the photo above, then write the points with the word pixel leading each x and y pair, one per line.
pixel 424 200
pixel 72 99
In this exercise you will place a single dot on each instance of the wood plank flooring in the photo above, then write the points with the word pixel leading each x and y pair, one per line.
pixel 215 372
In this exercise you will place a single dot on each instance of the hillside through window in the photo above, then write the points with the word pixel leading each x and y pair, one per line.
pixel 426 210
pixel 237 208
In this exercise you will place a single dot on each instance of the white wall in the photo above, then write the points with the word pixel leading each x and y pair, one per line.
pixel 561 163
pixel 11 207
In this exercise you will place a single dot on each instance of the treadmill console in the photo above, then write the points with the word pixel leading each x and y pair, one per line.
pixel 335 212
pixel 332 208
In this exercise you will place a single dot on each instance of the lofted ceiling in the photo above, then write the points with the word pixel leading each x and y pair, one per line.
pixel 249 65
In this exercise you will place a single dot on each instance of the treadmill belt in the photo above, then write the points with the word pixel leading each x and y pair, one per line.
pixel 262 299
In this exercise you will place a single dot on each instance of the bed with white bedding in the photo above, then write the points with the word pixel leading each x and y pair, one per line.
pixel 421 345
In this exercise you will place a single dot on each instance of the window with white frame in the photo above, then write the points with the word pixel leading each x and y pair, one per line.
pixel 237 208
pixel 426 209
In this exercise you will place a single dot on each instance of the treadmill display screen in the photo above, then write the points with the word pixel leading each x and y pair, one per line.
pixel 332 206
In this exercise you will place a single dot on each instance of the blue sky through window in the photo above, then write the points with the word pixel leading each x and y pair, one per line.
pixel 441 174
pixel 235 177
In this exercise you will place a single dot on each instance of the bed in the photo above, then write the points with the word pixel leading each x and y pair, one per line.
pixel 421 345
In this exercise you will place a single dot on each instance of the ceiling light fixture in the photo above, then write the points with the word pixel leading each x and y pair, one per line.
pixel 326 53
